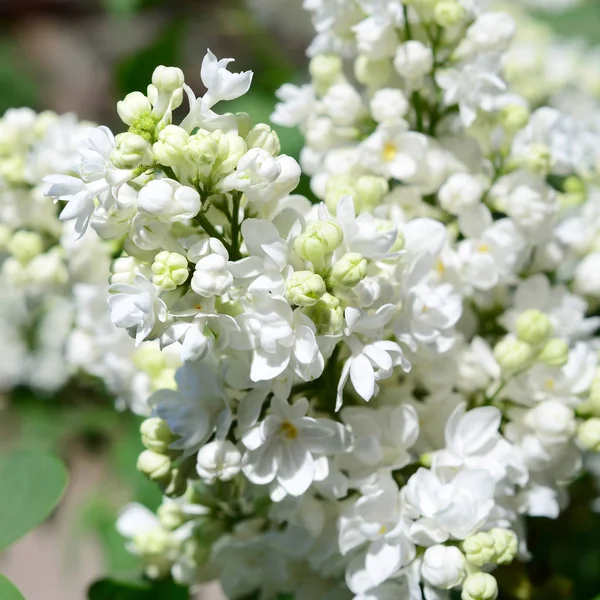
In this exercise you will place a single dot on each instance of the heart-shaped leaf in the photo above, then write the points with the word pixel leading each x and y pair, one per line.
pixel 8 591
pixel 32 484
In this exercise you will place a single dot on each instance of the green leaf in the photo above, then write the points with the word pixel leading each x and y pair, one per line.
pixel 32 483
pixel 111 589
pixel 8 591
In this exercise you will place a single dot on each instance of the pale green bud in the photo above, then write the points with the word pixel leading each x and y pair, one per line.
pixel 231 147
pixel 244 124
pixel 171 515
pixel 372 73
pixel 149 358
pixel 155 546
pixel 155 466
pixel 132 107
pixel 305 288
pixel 327 315
pixel 123 269
pixel 325 69
pixel 318 239
pixel 480 548
pixel 534 327
pixel 480 586
pixel 43 122
pixel 538 159
pixel 449 13
pixel 262 136
pixel 25 245
pixel 156 435
pixel 12 169
pixel 175 485
pixel 555 353
pixel 132 150
pixel 167 79
pixel 370 191
pixel 348 271
pixel 514 117
pixel 513 354
pixel 6 234
pixel 588 434
pixel 170 270
pixel 505 545
pixel 144 126
pixel 168 150
pixel 201 150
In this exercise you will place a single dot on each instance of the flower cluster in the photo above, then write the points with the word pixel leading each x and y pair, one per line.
pixel 53 317
pixel 376 388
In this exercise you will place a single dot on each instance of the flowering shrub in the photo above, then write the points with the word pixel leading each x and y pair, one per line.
pixel 378 387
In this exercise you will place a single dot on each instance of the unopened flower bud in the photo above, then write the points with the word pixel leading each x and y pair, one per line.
pixel 327 315
pixel 318 239
pixel 201 150
pixel 325 69
pixel 132 107
pixel 479 548
pixel 538 159
pixel 449 13
pixel 155 466
pixel 131 151
pixel 370 191
pixel 413 61
pixel 348 271
pixel 443 566
pixel 305 288
pixel 170 270
pixel 514 117
pixel 372 73
pixel 167 79
pixel 175 484
pixel 168 150
pixel 218 460
pixel 25 245
pixel 534 327
pixel 171 515
pixel 513 354
pixel 588 434
pixel 262 136
pixel 555 353
pixel 480 586
pixel 156 435
pixel 505 545
pixel 123 269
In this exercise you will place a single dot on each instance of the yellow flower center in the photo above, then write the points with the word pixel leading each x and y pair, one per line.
pixel 389 151
pixel 550 385
pixel 289 431
pixel 483 247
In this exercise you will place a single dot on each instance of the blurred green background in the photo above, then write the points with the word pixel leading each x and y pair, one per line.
pixel 82 56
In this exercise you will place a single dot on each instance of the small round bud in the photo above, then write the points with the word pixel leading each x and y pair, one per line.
pixel 370 191
pixel 262 136
pixel 513 354
pixel 202 150
pixel 588 434
pixel 171 515
pixel 318 239
pixel 219 460
pixel 449 13
pixel 156 435
pixel 413 61
pixel 505 545
pixel 555 353
pixel 305 288
pixel 131 151
pixel 168 150
pixel 25 245
pixel 443 566
pixel 155 466
pixel 372 73
pixel 479 548
pixel 170 270
pixel 534 327
pixel 514 117
pixel 348 271
pixel 388 105
pixel 155 546
pixel 123 269
pixel 327 315
pixel 325 69
pixel 132 107
pixel 167 79
pixel 538 159
pixel 480 586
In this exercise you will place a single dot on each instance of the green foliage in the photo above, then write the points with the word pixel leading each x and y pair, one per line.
pixel 32 484
pixel 580 22
pixel 134 73
pixel 111 589
pixel 8 591
pixel 18 85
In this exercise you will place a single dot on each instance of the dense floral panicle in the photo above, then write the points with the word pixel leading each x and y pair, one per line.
pixel 378 386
